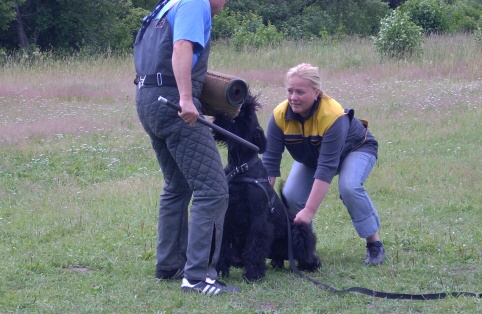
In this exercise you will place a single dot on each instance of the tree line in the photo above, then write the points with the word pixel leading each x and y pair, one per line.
pixel 73 25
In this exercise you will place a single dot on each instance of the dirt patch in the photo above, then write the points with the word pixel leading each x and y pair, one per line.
pixel 79 269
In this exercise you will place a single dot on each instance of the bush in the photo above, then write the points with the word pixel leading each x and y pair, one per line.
pixel 465 16
pixel 3 56
pixel 225 23
pixel 253 33
pixel 398 37
pixel 124 32
pixel 428 14
pixel 478 35
pixel 313 22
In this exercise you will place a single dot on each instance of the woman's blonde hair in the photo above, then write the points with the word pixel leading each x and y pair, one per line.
pixel 306 71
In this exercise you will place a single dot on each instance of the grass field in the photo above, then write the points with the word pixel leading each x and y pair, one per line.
pixel 79 185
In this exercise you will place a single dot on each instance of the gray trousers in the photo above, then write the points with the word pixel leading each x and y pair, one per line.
pixel 192 168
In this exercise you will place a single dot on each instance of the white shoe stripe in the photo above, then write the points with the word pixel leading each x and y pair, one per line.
pixel 211 290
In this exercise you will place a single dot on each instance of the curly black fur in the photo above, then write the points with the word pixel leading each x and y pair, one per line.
pixel 253 231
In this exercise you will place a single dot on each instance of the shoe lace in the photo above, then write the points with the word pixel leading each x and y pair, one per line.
pixel 374 248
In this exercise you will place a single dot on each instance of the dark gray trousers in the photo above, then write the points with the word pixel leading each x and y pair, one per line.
pixel 191 167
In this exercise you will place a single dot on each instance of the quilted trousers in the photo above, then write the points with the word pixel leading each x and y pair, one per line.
pixel 188 238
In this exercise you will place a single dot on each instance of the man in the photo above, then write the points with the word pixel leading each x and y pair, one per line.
pixel 171 57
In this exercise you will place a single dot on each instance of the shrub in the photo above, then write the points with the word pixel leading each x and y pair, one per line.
pixel 465 16
pixel 312 23
pixel 253 33
pixel 124 34
pixel 478 35
pixel 3 56
pixel 225 23
pixel 398 37
pixel 428 14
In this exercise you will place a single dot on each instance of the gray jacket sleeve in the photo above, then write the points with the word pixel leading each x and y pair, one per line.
pixel 331 149
pixel 274 149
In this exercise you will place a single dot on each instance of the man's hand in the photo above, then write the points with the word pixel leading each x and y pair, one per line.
pixel 188 112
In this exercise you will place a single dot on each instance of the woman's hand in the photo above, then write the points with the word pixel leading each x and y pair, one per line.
pixel 304 216
pixel 318 192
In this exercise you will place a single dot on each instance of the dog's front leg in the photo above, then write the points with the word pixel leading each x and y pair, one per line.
pixel 258 244
pixel 224 260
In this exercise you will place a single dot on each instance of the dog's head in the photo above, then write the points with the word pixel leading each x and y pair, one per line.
pixel 245 125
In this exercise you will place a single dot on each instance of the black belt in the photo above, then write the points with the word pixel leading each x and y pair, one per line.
pixel 157 79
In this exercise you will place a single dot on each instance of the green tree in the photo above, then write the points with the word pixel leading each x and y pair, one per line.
pixel 7 13
pixel 393 4
pixel 431 15
pixel 144 4
pixel 354 17
pixel 69 24
pixel 465 15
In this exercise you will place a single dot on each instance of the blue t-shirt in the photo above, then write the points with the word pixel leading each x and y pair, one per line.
pixel 190 20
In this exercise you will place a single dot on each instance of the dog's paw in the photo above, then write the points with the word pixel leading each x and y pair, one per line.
pixel 277 263
pixel 311 266
pixel 237 262
pixel 222 269
pixel 252 279
pixel 223 273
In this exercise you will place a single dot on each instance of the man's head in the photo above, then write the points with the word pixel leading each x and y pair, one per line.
pixel 217 5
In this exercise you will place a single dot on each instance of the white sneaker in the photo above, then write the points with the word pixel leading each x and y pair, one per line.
pixel 208 286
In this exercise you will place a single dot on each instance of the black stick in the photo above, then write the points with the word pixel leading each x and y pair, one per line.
pixel 212 126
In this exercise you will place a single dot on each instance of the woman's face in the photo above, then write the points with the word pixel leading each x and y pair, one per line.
pixel 301 95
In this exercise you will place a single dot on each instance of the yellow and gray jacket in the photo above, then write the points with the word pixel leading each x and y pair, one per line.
pixel 320 141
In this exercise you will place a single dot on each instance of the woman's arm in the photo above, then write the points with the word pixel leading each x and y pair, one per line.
pixel 317 194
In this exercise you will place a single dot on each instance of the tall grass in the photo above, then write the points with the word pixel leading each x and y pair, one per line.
pixel 79 184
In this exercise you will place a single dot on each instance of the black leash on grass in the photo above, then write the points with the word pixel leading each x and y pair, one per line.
pixel 373 293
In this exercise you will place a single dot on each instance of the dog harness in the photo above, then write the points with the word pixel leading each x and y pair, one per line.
pixel 260 182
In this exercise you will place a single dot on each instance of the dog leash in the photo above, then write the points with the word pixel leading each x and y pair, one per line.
pixel 370 292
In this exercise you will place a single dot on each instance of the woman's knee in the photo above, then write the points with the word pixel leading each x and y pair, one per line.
pixel 349 188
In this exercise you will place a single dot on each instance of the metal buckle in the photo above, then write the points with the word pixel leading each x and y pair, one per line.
pixel 141 81
pixel 244 167
pixel 159 78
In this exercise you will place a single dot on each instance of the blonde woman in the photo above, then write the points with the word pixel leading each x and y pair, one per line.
pixel 324 140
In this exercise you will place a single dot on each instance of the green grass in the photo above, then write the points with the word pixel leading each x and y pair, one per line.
pixel 79 185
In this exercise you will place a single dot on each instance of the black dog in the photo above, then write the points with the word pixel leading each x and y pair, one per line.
pixel 256 225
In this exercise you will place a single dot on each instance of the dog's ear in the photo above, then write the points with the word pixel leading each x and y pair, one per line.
pixel 260 139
